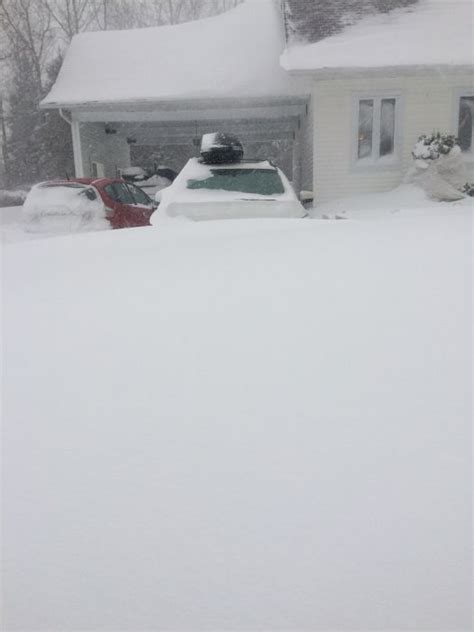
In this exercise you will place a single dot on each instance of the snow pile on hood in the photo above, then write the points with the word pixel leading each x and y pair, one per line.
pixel 63 208
pixel 432 32
pixel 235 54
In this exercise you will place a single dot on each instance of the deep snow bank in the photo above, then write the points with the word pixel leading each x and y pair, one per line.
pixel 239 425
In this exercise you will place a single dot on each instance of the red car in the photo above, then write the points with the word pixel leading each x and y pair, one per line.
pixel 126 205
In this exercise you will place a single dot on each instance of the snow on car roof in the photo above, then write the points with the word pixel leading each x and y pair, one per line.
pixel 432 32
pixel 217 57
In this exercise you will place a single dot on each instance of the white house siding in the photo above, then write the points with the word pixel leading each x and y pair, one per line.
pixel 427 103
pixel 111 150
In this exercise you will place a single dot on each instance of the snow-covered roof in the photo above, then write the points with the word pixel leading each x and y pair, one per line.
pixel 431 32
pixel 235 54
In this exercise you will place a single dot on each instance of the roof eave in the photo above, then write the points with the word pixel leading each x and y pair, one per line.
pixel 383 71
pixel 172 104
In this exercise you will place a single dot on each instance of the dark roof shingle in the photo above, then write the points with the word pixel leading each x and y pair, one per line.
pixel 314 20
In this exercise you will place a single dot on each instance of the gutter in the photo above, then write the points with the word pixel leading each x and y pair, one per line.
pixel 183 105
pixel 64 117
pixel 435 70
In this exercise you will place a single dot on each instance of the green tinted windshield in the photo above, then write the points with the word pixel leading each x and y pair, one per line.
pixel 253 181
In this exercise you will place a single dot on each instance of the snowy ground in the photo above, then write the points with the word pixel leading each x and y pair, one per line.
pixel 12 227
pixel 240 425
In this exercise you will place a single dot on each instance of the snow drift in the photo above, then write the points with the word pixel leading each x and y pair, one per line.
pixel 240 425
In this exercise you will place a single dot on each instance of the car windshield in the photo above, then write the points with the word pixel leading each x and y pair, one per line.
pixel 254 181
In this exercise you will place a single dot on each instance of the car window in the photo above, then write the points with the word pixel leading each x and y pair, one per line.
pixel 139 196
pixel 256 181
pixel 119 193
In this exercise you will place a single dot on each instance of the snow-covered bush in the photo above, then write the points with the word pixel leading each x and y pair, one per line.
pixel 438 167
pixel 433 146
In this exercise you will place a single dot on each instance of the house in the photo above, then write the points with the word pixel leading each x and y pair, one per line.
pixel 171 84
pixel 351 104
pixel 379 84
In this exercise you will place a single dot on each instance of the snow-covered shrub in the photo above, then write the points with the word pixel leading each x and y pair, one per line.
pixel 438 167
pixel 433 146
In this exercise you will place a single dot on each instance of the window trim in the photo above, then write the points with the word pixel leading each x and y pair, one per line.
pixel 457 95
pixel 384 163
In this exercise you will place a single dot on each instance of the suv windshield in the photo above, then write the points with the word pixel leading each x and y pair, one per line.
pixel 256 181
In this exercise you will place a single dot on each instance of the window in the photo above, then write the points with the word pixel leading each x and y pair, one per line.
pixel 139 196
pixel 253 181
pixel 377 128
pixel 387 127
pixel 366 128
pixel 466 123
pixel 119 193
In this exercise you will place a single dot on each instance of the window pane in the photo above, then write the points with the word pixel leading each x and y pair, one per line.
pixel 111 191
pixel 139 196
pixel 119 192
pixel 366 124
pixel 387 127
pixel 466 122
pixel 125 195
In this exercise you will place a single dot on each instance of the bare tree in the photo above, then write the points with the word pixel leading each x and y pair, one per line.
pixel 71 16
pixel 26 25
pixel 121 14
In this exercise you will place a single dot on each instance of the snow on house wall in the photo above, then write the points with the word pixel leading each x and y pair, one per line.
pixel 427 103
pixel 111 150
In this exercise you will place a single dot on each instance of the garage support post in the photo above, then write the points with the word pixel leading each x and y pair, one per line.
pixel 77 149
pixel 297 160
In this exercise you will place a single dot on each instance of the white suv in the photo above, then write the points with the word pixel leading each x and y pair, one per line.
pixel 243 189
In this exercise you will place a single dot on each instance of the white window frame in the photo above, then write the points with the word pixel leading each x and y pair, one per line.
pixel 458 93
pixel 376 161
